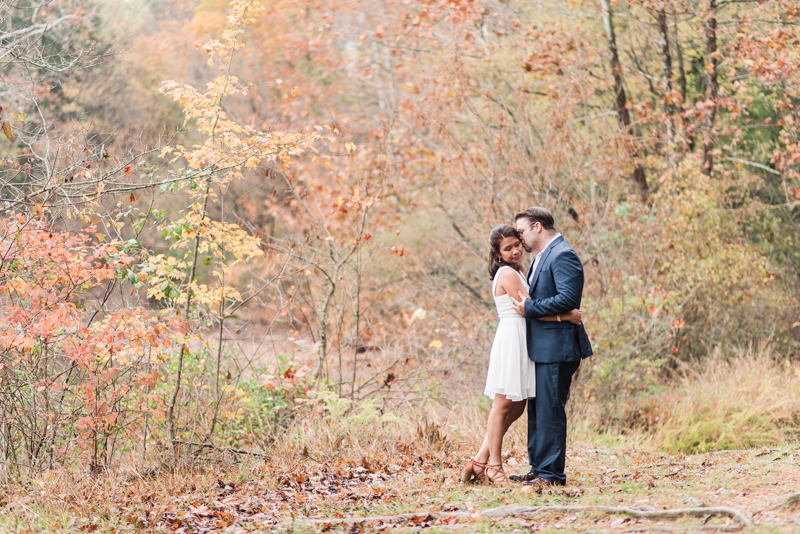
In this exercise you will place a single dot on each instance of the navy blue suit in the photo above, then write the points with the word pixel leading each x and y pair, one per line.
pixel 556 349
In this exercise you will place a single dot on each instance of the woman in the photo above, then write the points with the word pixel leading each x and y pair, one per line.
pixel 511 379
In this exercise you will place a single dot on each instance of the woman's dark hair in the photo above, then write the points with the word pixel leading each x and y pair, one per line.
pixel 496 237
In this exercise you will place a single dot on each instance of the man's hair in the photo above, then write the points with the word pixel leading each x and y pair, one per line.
pixel 537 214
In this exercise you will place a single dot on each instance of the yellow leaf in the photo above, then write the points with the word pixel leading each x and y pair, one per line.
pixel 7 130
pixel 436 344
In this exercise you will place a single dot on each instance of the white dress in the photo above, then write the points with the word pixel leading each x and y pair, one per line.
pixel 511 372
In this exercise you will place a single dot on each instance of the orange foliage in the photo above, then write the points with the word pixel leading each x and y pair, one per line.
pixel 74 367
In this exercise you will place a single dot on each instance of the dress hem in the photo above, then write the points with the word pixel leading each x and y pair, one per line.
pixel 491 395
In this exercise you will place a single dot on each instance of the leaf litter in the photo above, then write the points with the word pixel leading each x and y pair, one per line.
pixel 417 490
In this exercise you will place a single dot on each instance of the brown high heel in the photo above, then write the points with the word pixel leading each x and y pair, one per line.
pixel 469 472
pixel 496 475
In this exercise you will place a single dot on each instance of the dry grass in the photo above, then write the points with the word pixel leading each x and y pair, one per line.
pixel 748 399
pixel 730 400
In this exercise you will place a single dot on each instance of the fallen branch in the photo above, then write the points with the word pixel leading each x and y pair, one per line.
pixel 662 528
pixel 788 500
pixel 516 511
pixel 674 513
pixel 221 449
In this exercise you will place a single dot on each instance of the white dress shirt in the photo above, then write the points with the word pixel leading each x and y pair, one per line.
pixel 539 257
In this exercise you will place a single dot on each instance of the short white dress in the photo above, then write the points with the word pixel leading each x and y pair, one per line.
pixel 511 372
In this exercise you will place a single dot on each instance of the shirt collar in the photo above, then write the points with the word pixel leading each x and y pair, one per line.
pixel 549 243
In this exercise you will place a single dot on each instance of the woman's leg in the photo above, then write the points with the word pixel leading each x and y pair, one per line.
pixel 516 412
pixel 503 413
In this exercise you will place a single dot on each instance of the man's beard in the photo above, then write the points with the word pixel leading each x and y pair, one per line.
pixel 526 247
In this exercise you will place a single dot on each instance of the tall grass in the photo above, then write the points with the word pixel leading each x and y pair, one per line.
pixel 747 399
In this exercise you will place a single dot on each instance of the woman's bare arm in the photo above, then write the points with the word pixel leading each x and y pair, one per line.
pixel 511 284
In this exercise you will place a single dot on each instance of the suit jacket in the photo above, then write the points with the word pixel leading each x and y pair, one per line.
pixel 556 288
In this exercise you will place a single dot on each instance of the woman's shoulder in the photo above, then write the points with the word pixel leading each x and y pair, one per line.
pixel 506 273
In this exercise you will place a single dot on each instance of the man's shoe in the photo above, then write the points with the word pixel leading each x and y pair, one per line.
pixel 538 482
pixel 530 475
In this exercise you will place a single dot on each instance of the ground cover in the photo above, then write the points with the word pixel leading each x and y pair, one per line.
pixel 610 489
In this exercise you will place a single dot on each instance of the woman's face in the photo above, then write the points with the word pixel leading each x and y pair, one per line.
pixel 511 250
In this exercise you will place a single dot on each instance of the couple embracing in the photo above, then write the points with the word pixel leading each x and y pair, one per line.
pixel 537 348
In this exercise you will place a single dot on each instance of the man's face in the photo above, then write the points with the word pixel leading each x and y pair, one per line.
pixel 529 234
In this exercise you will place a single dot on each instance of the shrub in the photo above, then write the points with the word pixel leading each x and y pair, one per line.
pixel 75 373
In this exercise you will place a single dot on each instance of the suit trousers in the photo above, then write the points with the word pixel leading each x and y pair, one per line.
pixel 547 420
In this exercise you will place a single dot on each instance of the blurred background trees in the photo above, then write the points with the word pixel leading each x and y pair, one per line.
pixel 307 216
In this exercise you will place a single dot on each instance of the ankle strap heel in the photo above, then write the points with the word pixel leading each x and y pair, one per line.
pixel 496 474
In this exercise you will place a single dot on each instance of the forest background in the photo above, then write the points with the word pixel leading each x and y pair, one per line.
pixel 283 247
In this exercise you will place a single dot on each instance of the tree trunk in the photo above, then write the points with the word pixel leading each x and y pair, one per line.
pixel 639 178
pixel 682 82
pixel 712 87
pixel 666 68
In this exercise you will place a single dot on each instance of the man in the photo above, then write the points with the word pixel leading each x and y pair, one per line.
pixel 556 348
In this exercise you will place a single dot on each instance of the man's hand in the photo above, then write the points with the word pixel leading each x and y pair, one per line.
pixel 519 305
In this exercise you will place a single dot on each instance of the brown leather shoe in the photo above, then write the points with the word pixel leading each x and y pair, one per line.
pixel 530 475
pixel 538 482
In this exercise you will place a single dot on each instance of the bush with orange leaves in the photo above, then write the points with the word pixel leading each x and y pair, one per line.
pixel 76 366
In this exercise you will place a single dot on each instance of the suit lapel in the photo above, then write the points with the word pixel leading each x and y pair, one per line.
pixel 545 254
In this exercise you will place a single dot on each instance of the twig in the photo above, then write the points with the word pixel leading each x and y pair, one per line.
pixel 752 164
pixel 648 466
pixel 399 518
pixel 223 449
